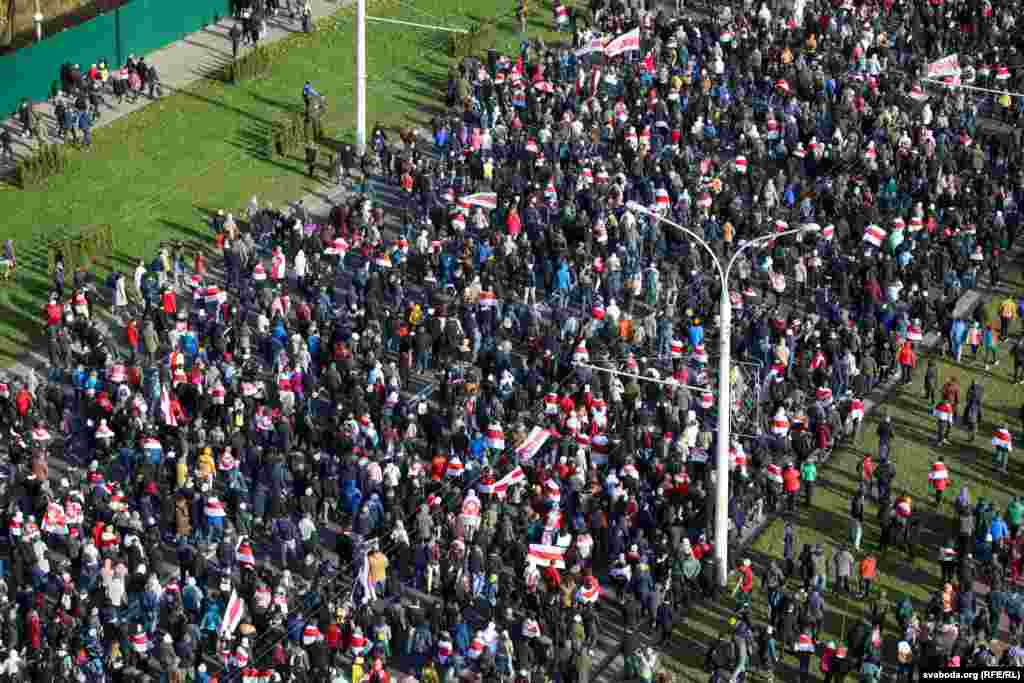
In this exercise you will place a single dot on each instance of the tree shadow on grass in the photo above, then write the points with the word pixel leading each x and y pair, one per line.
pixel 284 105
pixel 188 231
pixel 421 112
pixel 222 105
pixel 276 161
pixel 255 140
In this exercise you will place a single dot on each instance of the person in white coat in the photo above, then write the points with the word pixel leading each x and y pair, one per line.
pixel 120 295
pixel 13 665
pixel 301 268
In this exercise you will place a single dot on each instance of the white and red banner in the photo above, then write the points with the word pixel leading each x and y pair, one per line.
pixel 500 487
pixel 487 200
pixel 1002 439
pixel 488 299
pixel 245 555
pixel 546 555
pixel 875 235
pixel 496 437
pixel 170 419
pixel 780 425
pixel 232 615
pixel 593 45
pixel 947 66
pixel 534 442
pixel 624 43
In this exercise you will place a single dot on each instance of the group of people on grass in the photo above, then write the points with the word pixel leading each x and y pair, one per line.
pixel 464 425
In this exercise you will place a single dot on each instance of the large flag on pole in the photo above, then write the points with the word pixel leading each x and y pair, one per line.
pixel 624 43
pixel 232 615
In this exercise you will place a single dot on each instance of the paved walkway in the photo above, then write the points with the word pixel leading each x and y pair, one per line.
pixel 179 64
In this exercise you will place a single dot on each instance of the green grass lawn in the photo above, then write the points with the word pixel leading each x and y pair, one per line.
pixel 154 175
pixel 914 450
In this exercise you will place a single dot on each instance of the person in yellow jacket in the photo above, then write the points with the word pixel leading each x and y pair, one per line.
pixel 1004 105
pixel 415 315
pixel 429 673
pixel 206 464
pixel 181 471
pixel 1007 313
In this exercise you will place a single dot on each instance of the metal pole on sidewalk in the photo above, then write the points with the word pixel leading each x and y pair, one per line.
pixel 723 438
pixel 361 76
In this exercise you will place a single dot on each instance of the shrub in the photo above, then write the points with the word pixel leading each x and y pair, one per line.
pixel 254 64
pixel 48 161
pixel 90 245
pixel 289 133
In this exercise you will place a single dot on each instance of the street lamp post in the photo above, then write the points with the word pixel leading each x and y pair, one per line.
pixel 361 76
pixel 724 383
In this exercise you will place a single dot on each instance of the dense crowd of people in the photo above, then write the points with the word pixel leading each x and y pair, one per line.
pixel 495 390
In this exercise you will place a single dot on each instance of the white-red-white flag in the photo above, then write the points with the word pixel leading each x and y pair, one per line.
pixel 624 43
pixel 232 615
pixel 875 235
pixel 546 555
pixel 165 409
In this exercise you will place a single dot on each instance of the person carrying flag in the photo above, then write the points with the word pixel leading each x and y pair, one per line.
pixel 938 479
pixel 943 419
pixel 1002 441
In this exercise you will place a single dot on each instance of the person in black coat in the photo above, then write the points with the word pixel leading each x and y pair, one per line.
pixel 665 621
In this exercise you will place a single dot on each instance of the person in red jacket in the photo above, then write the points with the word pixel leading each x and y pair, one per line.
pixel 169 303
pixel 791 485
pixel 938 478
pixel 132 332
pixel 745 583
pixel 907 358
pixel 333 637
pixel 23 402
pixel 54 312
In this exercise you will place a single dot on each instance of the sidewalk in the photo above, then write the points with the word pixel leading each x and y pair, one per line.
pixel 179 64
